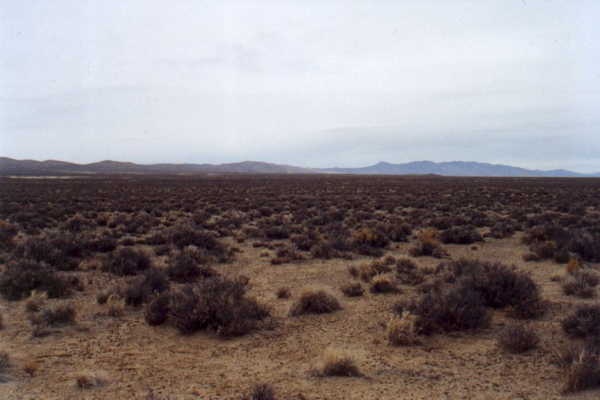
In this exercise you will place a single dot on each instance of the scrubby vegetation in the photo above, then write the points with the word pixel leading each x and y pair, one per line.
pixel 217 304
pixel 337 362
pixel 315 302
pixel 173 251
pixel 517 338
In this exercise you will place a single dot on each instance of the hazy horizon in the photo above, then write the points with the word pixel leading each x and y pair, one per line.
pixel 310 84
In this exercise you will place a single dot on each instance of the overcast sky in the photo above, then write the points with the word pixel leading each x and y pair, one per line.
pixel 309 83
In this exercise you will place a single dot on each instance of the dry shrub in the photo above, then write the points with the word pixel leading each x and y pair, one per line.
pixel 408 273
pixel 582 366
pixel 7 233
pixel 517 338
pixel 102 297
pixel 498 285
pixel 457 308
pixel 36 301
pixel 315 302
pixel 460 235
pixel 369 237
pixel 59 315
pixel 283 293
pixel 574 265
pixel 353 271
pixel 428 244
pixel 21 277
pixel 185 268
pixel 216 304
pixel 4 366
pixel 262 391
pixel 382 284
pixel 402 330
pixel 1 322
pixel 157 310
pixel 584 322
pixel 581 284
pixel 89 380
pixel 126 261
pixel 142 289
pixel 353 290
pixel 368 271
pixel 336 362
pixel 115 306
pixel 30 367
pixel 4 361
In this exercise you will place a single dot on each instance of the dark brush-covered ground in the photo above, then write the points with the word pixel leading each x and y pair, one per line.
pixel 316 287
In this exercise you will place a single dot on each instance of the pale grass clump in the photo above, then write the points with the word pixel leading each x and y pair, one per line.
pixel 402 331
pixel 89 380
pixel 36 301
pixel 337 362
pixel 384 284
pixel 115 306
pixel 582 369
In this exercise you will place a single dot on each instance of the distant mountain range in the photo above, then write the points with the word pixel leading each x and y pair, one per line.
pixel 454 168
pixel 9 166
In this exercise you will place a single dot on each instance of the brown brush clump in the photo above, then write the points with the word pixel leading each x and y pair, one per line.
pixel 408 273
pixel 115 306
pixel 157 310
pixel 583 322
pixel 4 362
pixel 36 301
pixel 428 244
pixel 315 302
pixel 353 271
pixel 262 391
pixel 353 290
pixel 283 293
pixel 31 367
pixel 402 331
pixel 382 284
pixel 60 315
pixel 1 322
pixel 217 304
pixel 89 380
pixel 581 284
pixel 517 339
pixel 581 364
pixel 336 362
pixel 366 272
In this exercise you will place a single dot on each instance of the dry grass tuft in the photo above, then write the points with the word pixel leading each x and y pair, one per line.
pixel 518 339
pixel 262 391
pixel 89 380
pixel 284 293
pixel 382 284
pixel 115 306
pixel 31 367
pixel 402 331
pixel 36 301
pixel 336 362
pixel 315 302
pixel 582 367
pixel 353 289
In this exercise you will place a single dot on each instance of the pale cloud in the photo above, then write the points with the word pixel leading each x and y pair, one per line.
pixel 312 83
